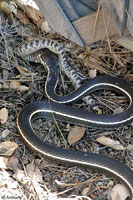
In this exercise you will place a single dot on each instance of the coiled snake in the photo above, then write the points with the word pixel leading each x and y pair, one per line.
pixel 54 107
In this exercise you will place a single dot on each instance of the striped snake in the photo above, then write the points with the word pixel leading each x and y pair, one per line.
pixel 54 107
pixel 28 48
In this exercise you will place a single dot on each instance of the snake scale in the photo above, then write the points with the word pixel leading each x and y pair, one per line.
pixel 46 109
pixel 35 45
pixel 27 49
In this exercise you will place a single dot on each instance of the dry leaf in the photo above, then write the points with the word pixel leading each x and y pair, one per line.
pixel 3 115
pixel 4 134
pixel 34 14
pixel 45 27
pixel 99 112
pixel 130 147
pixel 23 88
pixel 30 8
pixel 13 162
pixel 3 162
pixel 30 183
pixel 14 85
pixel 92 73
pixel 75 134
pixel 22 17
pixel 22 70
pixel 19 175
pixel 119 192
pixel 4 7
pixel 110 143
pixel 129 77
pixel 34 172
pixel 7 148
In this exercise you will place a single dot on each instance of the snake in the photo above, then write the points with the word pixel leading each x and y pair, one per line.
pixel 56 108
pixel 32 46
pixel 30 52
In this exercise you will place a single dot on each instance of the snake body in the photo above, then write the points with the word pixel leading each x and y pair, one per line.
pixel 32 46
pixel 54 107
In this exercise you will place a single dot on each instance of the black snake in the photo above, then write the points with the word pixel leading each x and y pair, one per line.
pixel 48 109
